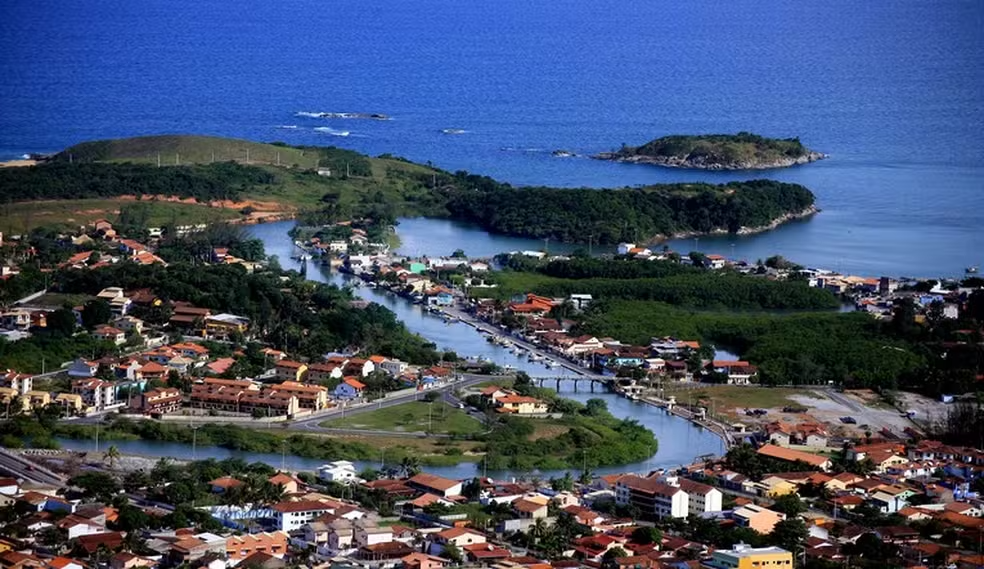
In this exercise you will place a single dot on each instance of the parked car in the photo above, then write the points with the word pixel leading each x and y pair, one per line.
pixel 849 420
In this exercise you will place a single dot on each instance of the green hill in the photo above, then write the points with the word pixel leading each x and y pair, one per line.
pixel 742 151
pixel 188 149
pixel 384 188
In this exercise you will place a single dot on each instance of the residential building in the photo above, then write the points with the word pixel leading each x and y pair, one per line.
pixel 349 388
pixel 701 498
pixel 742 556
pixel 71 403
pixel 652 496
pixel 790 455
pixel 435 485
pixel 757 518
pixel 83 368
pixel 288 370
pixel 291 516
pixel 110 334
pixel 322 372
pixel 239 547
pixel 738 372
pixel 460 537
pixel 129 324
pixel 95 393
pixel 338 471
pixel 310 397
pixel 520 405
pixel 21 383
pixel 160 401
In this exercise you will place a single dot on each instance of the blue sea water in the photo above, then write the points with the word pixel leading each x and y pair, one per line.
pixel 894 92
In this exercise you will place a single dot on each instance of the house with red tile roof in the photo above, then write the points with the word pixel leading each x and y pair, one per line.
pixel 349 388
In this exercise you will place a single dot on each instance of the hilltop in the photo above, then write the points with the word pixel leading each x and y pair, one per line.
pixel 322 184
pixel 188 149
pixel 742 151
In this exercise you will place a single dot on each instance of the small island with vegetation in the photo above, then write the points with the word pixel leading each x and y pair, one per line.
pixel 742 151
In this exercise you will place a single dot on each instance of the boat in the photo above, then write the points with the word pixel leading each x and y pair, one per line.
pixel 972 270
pixel 549 363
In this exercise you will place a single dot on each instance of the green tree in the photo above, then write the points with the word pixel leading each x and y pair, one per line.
pixel 112 455
pixel 789 504
pixel 646 534
pixel 789 534
pixel 95 312
pixel 452 553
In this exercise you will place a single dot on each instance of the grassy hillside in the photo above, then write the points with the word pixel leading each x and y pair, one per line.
pixel 23 216
pixel 187 149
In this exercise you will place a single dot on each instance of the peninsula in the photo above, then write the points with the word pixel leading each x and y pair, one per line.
pixel 742 151
pixel 201 179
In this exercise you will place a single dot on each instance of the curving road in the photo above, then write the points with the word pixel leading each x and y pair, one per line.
pixel 20 467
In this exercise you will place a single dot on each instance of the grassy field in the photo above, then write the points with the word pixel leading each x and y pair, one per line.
pixel 415 416
pixel 182 149
pixel 24 216
pixel 733 399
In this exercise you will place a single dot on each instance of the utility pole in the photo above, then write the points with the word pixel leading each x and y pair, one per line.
pixel 194 441
pixel 213 158
pixel 283 455
pixel 97 435
pixel 158 159
pixel 177 159
pixel 278 158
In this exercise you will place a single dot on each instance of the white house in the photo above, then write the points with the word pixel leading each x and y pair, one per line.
pixel 291 516
pixel 393 366
pixel 338 471
pixel 701 498
pixel 652 496
pixel 83 368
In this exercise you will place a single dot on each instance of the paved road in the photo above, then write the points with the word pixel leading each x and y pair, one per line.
pixel 20 467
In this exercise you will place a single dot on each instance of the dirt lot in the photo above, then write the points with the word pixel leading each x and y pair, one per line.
pixel 825 406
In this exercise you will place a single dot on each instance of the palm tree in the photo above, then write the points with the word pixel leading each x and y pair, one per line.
pixel 538 530
pixel 112 455
pixel 410 465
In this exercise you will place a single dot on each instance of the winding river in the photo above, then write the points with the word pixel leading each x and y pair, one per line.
pixel 680 442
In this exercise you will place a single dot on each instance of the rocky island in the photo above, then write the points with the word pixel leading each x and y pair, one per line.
pixel 742 151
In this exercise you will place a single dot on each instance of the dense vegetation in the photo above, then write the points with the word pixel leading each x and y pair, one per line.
pixel 721 150
pixel 634 215
pixel 848 349
pixel 662 281
pixel 61 180
pixel 589 436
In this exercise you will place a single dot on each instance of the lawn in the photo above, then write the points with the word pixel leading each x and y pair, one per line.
pixel 734 400
pixel 415 416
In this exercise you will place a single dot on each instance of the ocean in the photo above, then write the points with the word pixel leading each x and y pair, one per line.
pixel 894 92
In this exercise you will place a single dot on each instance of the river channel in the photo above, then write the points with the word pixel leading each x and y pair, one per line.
pixel 680 442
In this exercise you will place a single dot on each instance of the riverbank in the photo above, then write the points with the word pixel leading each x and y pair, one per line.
pixel 743 231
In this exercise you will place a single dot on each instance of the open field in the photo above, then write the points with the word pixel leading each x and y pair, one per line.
pixel 826 406
pixel 192 150
pixel 24 216
pixel 414 416
pixel 732 400
pixel 430 450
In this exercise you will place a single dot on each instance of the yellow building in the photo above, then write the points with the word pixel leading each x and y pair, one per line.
pixel 745 557
pixel 70 402
pixel 777 487
pixel 9 397
pixel 38 398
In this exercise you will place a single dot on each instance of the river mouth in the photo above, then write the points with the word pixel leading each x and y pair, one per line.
pixel 680 442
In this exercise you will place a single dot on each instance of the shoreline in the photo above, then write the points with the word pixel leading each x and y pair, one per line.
pixel 685 163
pixel 743 231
